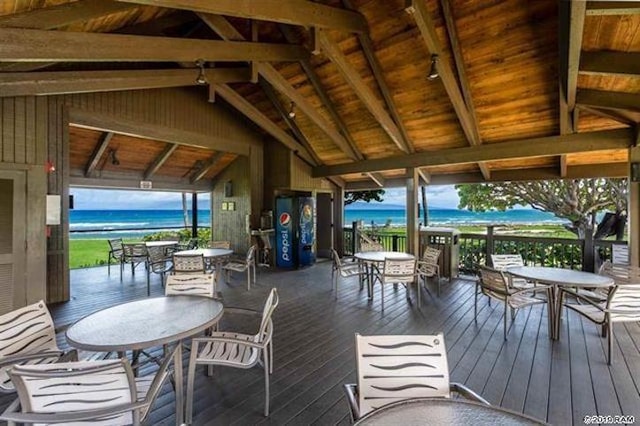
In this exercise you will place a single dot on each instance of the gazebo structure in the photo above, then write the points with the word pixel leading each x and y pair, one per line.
pixel 276 97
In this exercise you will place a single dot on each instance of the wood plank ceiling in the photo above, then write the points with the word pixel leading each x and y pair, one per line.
pixel 510 71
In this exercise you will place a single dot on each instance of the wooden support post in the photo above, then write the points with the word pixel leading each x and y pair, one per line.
pixel 588 254
pixel 634 211
pixel 413 235
pixel 338 220
pixel 394 243
pixel 194 215
pixel 354 237
pixel 490 246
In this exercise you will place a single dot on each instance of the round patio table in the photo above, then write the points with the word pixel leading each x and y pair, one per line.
pixel 147 323
pixel 440 411
pixel 556 278
pixel 374 258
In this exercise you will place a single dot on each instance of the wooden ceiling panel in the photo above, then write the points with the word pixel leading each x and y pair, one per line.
pixel 592 123
pixel 17 6
pixel 528 163
pixel 82 142
pixel 597 157
pixel 134 154
pixel 455 168
pixel 221 165
pixel 183 161
pixel 613 83
pixel 612 32
pixel 118 20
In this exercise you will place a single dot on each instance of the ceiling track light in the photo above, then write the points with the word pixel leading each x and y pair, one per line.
pixel 201 80
pixel 433 71
pixel 292 111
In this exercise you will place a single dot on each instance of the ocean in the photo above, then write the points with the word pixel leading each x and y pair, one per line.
pixel 132 223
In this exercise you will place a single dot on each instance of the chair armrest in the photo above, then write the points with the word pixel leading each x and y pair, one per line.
pixel 11 414
pixel 160 377
pixel 351 391
pixel 467 393
pixel 533 290
pixel 241 311
pixel 200 340
pixel 17 359
pixel 582 298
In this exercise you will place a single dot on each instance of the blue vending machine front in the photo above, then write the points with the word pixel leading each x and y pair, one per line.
pixel 306 223
pixel 285 245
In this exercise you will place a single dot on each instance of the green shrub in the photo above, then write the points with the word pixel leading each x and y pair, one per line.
pixel 182 235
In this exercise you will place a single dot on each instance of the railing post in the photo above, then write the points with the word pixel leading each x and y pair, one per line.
pixel 588 248
pixel 490 245
pixel 354 237
pixel 394 243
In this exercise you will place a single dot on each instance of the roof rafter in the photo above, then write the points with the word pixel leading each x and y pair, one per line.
pixel 99 150
pixel 617 63
pixel 204 169
pixel 160 160
pixel 535 147
pixel 613 7
pixel 609 100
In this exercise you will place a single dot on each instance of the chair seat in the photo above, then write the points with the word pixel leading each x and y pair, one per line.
pixel 594 314
pixel 351 271
pixel 594 295
pixel 235 266
pixel 518 301
pixel 521 283
pixel 231 354
pixel 143 384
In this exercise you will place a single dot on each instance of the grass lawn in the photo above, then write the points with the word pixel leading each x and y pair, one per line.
pixel 88 253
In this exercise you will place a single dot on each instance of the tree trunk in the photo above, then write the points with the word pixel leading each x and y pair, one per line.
pixel 185 211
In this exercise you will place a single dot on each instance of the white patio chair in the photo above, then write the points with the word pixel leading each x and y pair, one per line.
pixel 622 305
pixel 240 265
pixel 340 269
pixel 28 337
pixel 236 350
pixel 428 267
pixel 116 252
pixel 398 271
pixel 220 245
pixel 502 262
pixel 159 264
pixel 191 285
pixel 495 285
pixel 395 368
pixel 99 392
pixel 135 255
pixel 371 246
pixel 188 264
pixel 620 254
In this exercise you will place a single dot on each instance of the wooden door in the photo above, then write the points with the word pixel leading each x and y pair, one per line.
pixel 12 240
pixel 324 224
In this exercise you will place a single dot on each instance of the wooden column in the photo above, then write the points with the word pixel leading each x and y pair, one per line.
pixel 194 215
pixel 413 235
pixel 338 220
pixel 634 211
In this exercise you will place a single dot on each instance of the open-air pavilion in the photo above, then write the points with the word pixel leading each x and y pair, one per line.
pixel 253 100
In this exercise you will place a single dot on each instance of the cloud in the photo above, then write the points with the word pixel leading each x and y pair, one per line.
pixel 108 199
pixel 444 196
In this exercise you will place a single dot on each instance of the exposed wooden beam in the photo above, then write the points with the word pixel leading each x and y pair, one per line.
pixel 61 15
pixel 94 160
pixel 377 178
pixel 19 45
pixel 291 123
pixel 535 147
pixel 160 160
pixel 577 15
pixel 425 176
pixel 158 26
pixel 296 12
pixel 599 63
pixel 204 169
pixel 613 7
pixel 465 87
pixel 610 170
pixel 60 82
pixel 362 90
pixel 609 100
pixel 615 115
pixel 253 114
pixel 132 181
pixel 315 81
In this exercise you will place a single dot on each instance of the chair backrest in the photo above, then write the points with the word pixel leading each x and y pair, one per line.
pixel 624 302
pixel 370 246
pixel 493 281
pixel 220 245
pixel 251 254
pixel 135 251
pixel 394 368
pixel 76 387
pixel 157 258
pixel 335 257
pixel 28 330
pixel 266 327
pixel 431 255
pixel 115 244
pixel 190 284
pixel 399 270
pixel 190 263
pixel 501 262
pixel 621 274
pixel 620 254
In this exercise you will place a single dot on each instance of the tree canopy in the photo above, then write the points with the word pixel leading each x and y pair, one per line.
pixel 366 196
pixel 576 200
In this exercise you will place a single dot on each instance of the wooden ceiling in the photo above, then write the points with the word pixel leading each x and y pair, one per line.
pixel 526 74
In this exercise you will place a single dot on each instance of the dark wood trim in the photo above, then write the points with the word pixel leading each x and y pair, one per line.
pixel 615 115
pixel 296 12
pixel 535 147
pixel 598 63
pixel 99 150
pixel 132 181
pixel 19 45
pixel 160 160
pixel 609 100
pixel 377 178
pixel 613 8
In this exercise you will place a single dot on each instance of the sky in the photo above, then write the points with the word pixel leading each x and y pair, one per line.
pixel 104 199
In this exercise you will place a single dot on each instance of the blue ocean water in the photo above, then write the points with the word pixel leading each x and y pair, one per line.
pixel 118 223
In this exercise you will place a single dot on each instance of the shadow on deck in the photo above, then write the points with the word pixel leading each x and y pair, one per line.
pixel 558 382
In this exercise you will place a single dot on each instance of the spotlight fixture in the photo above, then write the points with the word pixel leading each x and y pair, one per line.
pixel 202 78
pixel 433 71
pixel 292 111
pixel 114 159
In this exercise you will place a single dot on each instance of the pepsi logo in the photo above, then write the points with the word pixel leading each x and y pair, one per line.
pixel 285 218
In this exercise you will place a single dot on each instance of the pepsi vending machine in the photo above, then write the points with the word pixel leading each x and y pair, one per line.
pixel 295 231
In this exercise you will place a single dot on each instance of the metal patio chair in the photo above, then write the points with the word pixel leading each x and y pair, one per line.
pixel 340 269
pixel 159 264
pixel 28 336
pixel 502 262
pixel 428 267
pixel 398 367
pixel 236 350
pixel 247 264
pixel 191 285
pixel 398 271
pixel 495 285
pixel 134 254
pixel 188 264
pixel 99 392
pixel 622 305
pixel 371 246
pixel 220 245
pixel 116 252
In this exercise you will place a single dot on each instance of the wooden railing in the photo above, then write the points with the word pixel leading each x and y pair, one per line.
pixel 476 249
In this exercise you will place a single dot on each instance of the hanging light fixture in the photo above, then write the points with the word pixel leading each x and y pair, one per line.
pixel 292 111
pixel 433 71
pixel 202 78
pixel 114 159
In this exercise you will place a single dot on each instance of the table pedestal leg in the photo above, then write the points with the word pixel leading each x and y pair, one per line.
pixel 554 305
pixel 177 374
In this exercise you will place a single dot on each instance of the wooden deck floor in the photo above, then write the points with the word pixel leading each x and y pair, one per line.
pixel 314 351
